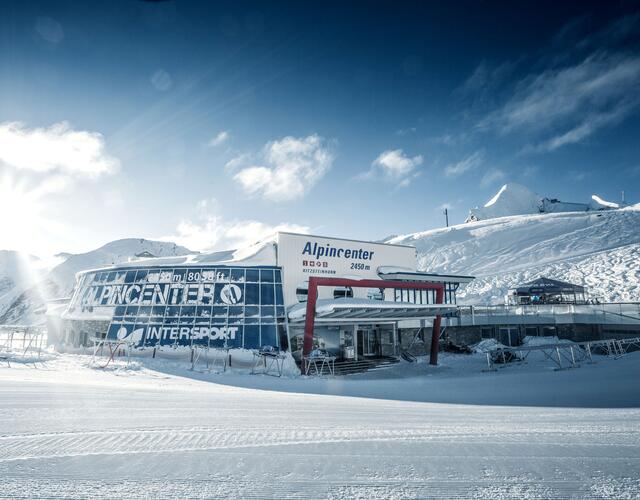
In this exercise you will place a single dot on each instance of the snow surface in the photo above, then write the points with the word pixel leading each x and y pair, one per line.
pixel 511 199
pixel 414 431
pixel 516 199
pixel 600 250
pixel 597 203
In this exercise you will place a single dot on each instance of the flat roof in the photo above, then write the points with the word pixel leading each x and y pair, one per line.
pixel 420 276
pixel 348 309
pixel 347 239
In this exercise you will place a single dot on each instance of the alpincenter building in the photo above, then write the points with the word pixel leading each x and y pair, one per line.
pixel 295 292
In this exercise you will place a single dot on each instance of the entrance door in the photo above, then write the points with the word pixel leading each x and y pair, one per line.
pixel 368 344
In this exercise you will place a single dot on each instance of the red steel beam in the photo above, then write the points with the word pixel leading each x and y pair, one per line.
pixel 312 299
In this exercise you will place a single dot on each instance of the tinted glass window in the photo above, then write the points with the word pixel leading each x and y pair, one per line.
pixel 237 275
pixel 252 336
pixel 266 275
pixel 268 335
pixel 252 294
pixel 253 275
pixel 266 294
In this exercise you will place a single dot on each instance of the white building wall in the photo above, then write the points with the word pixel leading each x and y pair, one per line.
pixel 302 256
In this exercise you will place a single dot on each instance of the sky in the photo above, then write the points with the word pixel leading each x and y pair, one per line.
pixel 212 124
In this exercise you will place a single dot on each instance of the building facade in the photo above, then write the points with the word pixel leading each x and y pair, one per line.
pixel 257 297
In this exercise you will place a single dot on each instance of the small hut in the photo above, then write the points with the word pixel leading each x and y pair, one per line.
pixel 547 291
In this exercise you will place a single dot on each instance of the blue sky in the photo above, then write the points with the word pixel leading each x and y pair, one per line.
pixel 210 124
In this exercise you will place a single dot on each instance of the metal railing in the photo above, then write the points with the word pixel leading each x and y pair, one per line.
pixel 21 342
pixel 618 313
pixel 562 354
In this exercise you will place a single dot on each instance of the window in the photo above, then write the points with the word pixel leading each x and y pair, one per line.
pixel 266 275
pixel 267 293
pixel 252 337
pixel 342 292
pixel 252 293
pixel 237 275
pixel 268 335
pixel 302 293
pixel 253 275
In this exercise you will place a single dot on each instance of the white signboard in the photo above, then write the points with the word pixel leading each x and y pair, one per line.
pixel 302 256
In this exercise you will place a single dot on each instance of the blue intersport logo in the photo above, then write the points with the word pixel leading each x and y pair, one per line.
pixel 133 336
pixel 231 294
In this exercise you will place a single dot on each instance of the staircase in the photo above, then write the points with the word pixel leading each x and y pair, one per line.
pixel 348 367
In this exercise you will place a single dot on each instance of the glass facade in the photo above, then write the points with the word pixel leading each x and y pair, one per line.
pixel 426 296
pixel 231 307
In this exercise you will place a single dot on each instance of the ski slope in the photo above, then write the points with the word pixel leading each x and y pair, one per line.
pixel 599 249
pixel 414 431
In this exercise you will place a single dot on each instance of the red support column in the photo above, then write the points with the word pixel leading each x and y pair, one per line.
pixel 310 319
pixel 435 334
pixel 312 299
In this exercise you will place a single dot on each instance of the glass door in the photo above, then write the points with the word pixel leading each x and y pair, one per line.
pixel 368 345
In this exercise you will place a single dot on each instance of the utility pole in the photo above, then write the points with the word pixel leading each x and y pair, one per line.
pixel 622 196
pixel 446 216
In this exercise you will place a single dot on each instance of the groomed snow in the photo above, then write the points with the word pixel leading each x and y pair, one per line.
pixel 414 431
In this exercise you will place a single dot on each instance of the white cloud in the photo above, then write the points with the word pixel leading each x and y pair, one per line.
pixel 485 78
pixel 219 139
pixel 241 160
pixel 210 231
pixel 572 102
pixel 57 148
pixel 492 176
pixel 588 126
pixel 395 164
pixel 293 166
pixel 406 131
pixel 470 162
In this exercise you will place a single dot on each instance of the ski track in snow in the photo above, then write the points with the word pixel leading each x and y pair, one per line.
pixel 72 431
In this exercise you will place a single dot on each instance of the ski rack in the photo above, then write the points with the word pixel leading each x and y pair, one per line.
pixel 114 346
pixel 564 355
pixel 198 352
pixel 18 340
pixel 268 363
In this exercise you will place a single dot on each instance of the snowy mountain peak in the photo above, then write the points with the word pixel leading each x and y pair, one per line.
pixel 516 199
pixel 511 199
pixel 21 298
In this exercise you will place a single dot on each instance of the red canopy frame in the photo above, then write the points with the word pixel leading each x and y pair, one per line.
pixel 312 298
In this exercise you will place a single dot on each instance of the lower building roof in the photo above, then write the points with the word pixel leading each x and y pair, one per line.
pixel 361 310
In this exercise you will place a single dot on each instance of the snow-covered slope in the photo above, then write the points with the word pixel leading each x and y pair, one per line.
pixel 511 199
pixel 22 304
pixel 515 199
pixel 597 249
pixel 18 272
pixel 114 252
